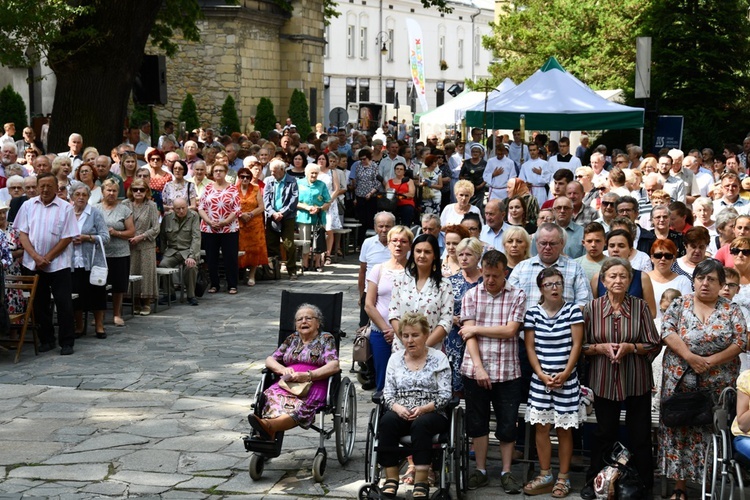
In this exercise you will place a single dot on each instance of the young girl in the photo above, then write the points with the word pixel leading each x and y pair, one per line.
pixel 554 336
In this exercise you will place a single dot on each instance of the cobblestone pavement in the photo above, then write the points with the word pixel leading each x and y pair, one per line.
pixel 159 407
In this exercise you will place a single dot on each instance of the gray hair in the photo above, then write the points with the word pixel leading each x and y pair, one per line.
pixel 473 245
pixel 729 214
pixel 315 309
pixel 653 176
pixel 389 215
pixel 76 185
pixel 611 262
pixel 703 200
pixel 277 163
pixel 429 217
pixel 312 167
pixel 15 179
pixel 659 207
pixel 551 226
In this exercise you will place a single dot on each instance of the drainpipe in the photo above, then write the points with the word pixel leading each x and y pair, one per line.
pixel 473 16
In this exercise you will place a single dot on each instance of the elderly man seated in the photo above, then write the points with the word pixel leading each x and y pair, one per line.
pixel 181 243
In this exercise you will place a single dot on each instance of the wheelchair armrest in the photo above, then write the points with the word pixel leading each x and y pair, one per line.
pixel 453 403
pixel 377 397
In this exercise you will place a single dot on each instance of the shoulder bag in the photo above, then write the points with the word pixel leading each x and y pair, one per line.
pixel 98 276
pixel 687 409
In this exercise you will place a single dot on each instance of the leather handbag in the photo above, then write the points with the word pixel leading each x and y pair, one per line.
pixel 318 236
pixel 362 351
pixel 299 389
pixel 687 409
pixel 98 276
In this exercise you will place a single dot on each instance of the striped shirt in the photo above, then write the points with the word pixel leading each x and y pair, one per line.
pixel 46 225
pixel 634 324
pixel 499 356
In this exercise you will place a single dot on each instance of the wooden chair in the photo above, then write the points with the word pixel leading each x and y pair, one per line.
pixel 21 321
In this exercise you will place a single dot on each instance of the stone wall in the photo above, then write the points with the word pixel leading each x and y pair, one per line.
pixel 250 50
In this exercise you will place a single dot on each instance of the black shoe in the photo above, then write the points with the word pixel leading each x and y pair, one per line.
pixel 192 301
pixel 587 493
pixel 163 300
pixel 46 347
pixel 67 350
pixel 101 335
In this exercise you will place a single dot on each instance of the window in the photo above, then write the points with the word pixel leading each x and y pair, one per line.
pixel 441 48
pixel 327 36
pixel 350 41
pixel 477 45
pixel 461 53
pixel 363 42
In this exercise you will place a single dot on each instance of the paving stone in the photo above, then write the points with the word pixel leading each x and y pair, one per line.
pixel 196 443
pixel 108 488
pixel 10 391
pixel 79 472
pixel 149 478
pixel 95 456
pixel 206 462
pixel 200 483
pixel 150 460
pixel 24 452
pixel 111 440
pixel 156 428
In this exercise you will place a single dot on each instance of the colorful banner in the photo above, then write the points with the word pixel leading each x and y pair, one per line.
pixel 416 61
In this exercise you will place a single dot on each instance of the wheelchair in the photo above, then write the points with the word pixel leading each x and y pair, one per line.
pixel 341 398
pixel 722 472
pixel 450 454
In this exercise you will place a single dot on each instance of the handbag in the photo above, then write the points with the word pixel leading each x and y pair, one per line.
pixel 299 389
pixel 687 409
pixel 201 281
pixel 362 351
pixel 606 482
pixel 98 276
pixel 386 204
pixel 318 237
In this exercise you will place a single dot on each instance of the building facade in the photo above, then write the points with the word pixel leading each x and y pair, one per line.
pixel 367 54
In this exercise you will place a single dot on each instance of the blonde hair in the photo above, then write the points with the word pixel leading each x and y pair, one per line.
pixel 400 230
pixel 416 320
pixel 464 184
pixel 515 231
pixel 471 244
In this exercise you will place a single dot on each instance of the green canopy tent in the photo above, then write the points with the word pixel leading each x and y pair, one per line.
pixel 553 99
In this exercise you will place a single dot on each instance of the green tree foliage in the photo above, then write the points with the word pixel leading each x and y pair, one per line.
pixel 700 58
pixel 189 113
pixel 299 112
pixel 593 40
pixel 265 119
pixel 13 109
pixel 230 122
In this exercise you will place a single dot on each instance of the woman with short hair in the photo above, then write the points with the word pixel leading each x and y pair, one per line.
pixel 455 212
pixel 143 245
pixel 696 242
pixel 314 202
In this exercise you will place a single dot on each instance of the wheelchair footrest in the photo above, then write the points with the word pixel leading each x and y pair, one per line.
pixel 269 449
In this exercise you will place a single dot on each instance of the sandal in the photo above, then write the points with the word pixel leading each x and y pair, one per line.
pixel 118 321
pixel 540 485
pixel 561 489
pixel 390 488
pixel 232 291
pixel 421 490
pixel 328 260
pixel 213 289
pixel 678 494
pixel 408 477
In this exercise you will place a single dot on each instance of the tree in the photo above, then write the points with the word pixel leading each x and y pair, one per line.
pixel 230 122
pixel 13 109
pixel 700 60
pixel 189 113
pixel 265 119
pixel 94 55
pixel 593 40
pixel 299 112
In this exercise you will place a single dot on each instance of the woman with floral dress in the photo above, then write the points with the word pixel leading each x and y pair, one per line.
pixel 468 253
pixel 331 180
pixel 179 188
pixel 706 334
pixel 14 299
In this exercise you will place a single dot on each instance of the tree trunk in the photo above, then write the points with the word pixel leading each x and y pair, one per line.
pixel 95 72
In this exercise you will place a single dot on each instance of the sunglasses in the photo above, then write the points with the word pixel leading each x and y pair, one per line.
pixel 608 203
pixel 245 177
pixel 138 190
pixel 737 251
pixel 659 256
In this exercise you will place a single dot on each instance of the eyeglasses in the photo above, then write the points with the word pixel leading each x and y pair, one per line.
pixel 608 203
pixel 731 285
pixel 580 176
pixel 660 255
pixel 555 284
pixel 624 210
pixel 16 187
pixel 81 172
pixel 603 188
pixel 154 158
pixel 305 318
pixel 620 161
pixel 737 251
pixel 138 190
pixel 220 170
pixel 245 177
pixel 399 242
pixel 547 243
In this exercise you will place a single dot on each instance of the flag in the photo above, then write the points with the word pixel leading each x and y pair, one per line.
pixel 416 60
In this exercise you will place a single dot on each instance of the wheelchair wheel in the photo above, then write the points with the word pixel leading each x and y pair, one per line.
pixel 256 466
pixel 740 481
pixel 369 492
pixel 709 486
pixel 369 445
pixel 345 420
pixel 319 467
pixel 460 455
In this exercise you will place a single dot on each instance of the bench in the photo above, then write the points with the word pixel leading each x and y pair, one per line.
pixel 132 279
pixel 167 274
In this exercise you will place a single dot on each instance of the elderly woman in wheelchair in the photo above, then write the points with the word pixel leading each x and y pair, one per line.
pixel 305 361
pixel 417 390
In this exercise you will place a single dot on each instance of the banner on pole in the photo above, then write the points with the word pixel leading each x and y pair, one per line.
pixel 416 60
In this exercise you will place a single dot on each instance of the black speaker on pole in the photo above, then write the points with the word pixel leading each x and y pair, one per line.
pixel 150 85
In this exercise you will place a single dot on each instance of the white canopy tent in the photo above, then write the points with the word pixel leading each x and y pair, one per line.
pixel 452 112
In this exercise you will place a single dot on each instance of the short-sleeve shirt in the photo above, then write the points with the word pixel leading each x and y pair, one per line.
pixel 499 356
pixel 743 386
pixel 115 218
pixel 46 225
pixel 220 204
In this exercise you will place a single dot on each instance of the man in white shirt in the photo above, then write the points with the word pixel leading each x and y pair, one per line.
pixel 388 162
pixel 730 186
pixel 705 180
pixel 455 162
pixel 564 159
pixel 516 149
pixel 498 172
pixel 492 231
pixel 374 251
pixel 75 143
pixel 674 186
pixel 537 174
pixel 687 176
pixel 597 163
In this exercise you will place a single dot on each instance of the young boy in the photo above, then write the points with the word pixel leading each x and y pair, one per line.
pixel 593 241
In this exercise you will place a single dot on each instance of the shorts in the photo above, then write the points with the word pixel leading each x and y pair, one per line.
pixel 505 397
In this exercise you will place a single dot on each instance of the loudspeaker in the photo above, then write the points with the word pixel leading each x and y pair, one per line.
pixel 150 85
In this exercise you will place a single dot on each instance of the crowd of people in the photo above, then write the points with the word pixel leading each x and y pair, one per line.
pixel 498 271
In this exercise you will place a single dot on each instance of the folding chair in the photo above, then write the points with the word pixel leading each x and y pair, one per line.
pixel 21 321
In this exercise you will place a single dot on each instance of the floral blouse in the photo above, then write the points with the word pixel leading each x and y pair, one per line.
pixel 433 301
pixel 319 351
pixel 409 388
pixel 218 205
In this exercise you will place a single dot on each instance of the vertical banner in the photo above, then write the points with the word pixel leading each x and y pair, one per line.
pixel 668 132
pixel 416 60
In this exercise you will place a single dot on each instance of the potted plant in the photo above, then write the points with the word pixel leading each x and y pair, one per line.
pixel 443 65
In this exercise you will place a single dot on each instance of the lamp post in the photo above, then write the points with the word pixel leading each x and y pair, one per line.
pixel 381 41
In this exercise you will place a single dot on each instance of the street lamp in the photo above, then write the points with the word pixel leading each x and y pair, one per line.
pixel 381 40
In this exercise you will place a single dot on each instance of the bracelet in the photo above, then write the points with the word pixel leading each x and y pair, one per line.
pixel 635 348
pixel 309 373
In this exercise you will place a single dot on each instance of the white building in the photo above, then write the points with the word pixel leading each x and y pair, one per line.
pixel 367 55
